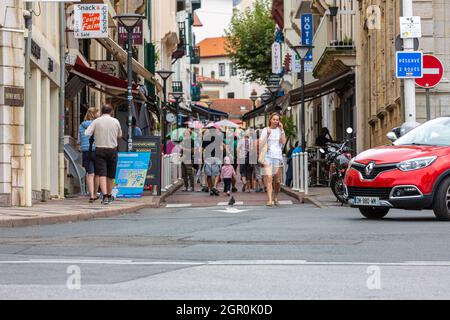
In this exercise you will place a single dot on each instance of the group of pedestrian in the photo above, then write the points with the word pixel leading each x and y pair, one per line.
pixel 256 159
pixel 99 136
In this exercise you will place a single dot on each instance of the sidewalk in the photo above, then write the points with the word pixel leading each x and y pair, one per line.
pixel 76 209
pixel 320 197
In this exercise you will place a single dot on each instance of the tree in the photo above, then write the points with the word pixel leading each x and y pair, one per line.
pixel 290 130
pixel 249 41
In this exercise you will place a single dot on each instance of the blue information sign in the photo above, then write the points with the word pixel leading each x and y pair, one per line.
pixel 307 33
pixel 131 174
pixel 409 64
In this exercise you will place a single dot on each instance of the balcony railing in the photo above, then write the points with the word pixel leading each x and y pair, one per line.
pixel 336 32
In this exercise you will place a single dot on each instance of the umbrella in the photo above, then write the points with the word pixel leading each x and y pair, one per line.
pixel 227 123
pixel 181 133
pixel 194 124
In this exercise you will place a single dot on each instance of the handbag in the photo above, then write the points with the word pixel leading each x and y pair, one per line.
pixel 263 146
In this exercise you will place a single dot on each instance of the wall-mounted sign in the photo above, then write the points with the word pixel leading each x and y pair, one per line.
pixel 137 35
pixel 90 21
pixel 109 67
pixel 277 63
pixel 13 97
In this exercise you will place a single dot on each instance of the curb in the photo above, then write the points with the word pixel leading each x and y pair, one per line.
pixel 148 202
pixel 302 198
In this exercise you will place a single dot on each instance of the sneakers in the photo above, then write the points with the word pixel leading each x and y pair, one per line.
pixel 107 199
pixel 234 189
pixel 228 193
pixel 215 192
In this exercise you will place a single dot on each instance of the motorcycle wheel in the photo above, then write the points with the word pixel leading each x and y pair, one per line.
pixel 337 186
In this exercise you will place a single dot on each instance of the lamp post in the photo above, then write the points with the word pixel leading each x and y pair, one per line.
pixel 129 21
pixel 273 89
pixel 254 97
pixel 165 75
pixel 265 97
pixel 303 52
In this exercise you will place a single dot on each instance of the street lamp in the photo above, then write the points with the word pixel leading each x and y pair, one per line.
pixel 165 75
pixel 129 21
pixel 302 51
pixel 265 97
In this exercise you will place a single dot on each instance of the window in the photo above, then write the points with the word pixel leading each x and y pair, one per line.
pixel 230 95
pixel 213 74
pixel 196 71
pixel 233 70
pixel 221 69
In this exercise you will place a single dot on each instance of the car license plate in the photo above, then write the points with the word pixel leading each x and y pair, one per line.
pixel 367 201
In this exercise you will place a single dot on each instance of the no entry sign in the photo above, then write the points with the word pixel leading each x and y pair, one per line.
pixel 432 72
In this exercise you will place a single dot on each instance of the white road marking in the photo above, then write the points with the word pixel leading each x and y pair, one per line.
pixel 286 202
pixel 232 262
pixel 223 204
pixel 231 210
pixel 179 205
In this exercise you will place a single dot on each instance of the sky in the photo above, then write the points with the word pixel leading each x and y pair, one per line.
pixel 215 16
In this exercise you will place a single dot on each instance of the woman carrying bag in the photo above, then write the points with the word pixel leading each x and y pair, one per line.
pixel 271 142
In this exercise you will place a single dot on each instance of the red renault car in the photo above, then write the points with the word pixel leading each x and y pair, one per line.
pixel 413 174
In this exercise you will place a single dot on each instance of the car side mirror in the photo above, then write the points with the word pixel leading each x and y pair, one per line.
pixel 392 136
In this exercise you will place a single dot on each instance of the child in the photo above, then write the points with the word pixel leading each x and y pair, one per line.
pixel 227 174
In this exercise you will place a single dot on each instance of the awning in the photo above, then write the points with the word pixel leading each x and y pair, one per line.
pixel 200 109
pixel 322 87
pixel 122 56
pixel 268 107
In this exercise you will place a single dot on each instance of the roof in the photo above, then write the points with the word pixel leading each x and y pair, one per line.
pixel 233 106
pixel 213 47
pixel 197 22
pixel 207 80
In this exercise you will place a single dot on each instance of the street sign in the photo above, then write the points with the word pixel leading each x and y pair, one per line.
pixel 410 27
pixel 433 72
pixel 399 46
pixel 409 64
pixel 307 33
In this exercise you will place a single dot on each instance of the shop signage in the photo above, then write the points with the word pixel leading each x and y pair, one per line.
pixel 13 97
pixel 109 67
pixel 136 36
pixel 277 64
pixel 91 21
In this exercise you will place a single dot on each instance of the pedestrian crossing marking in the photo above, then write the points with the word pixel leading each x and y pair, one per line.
pixel 179 205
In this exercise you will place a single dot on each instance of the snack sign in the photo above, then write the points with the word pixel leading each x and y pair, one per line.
pixel 91 21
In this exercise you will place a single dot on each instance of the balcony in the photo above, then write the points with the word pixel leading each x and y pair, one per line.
pixel 181 47
pixel 195 55
pixel 334 46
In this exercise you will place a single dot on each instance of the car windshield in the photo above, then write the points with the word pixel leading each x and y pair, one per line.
pixel 432 133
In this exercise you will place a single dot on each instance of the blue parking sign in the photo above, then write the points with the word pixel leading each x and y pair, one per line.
pixel 409 64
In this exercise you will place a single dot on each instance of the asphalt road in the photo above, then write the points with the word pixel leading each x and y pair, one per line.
pixel 295 252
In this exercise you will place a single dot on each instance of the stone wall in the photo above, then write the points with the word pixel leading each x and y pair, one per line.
pixel 11 116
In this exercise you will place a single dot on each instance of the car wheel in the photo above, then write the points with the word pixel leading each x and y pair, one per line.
pixel 374 213
pixel 441 202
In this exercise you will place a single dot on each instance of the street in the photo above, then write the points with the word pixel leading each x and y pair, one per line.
pixel 245 252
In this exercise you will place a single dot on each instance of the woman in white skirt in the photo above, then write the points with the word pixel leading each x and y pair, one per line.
pixel 272 141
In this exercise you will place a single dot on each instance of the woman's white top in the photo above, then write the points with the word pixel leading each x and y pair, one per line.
pixel 274 145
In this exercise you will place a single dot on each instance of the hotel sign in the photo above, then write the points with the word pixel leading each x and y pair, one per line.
pixel 13 97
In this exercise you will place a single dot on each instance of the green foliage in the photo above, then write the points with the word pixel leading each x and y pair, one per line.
pixel 289 127
pixel 249 41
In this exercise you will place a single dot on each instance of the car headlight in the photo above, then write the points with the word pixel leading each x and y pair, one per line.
pixel 416 164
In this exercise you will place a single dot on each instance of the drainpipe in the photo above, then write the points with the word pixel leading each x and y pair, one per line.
pixel 27 112
pixel 62 54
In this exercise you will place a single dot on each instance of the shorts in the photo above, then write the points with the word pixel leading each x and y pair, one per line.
pixel 88 162
pixel 272 165
pixel 246 170
pixel 212 167
pixel 105 162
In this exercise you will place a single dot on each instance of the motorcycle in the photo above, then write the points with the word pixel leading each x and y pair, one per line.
pixel 338 158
